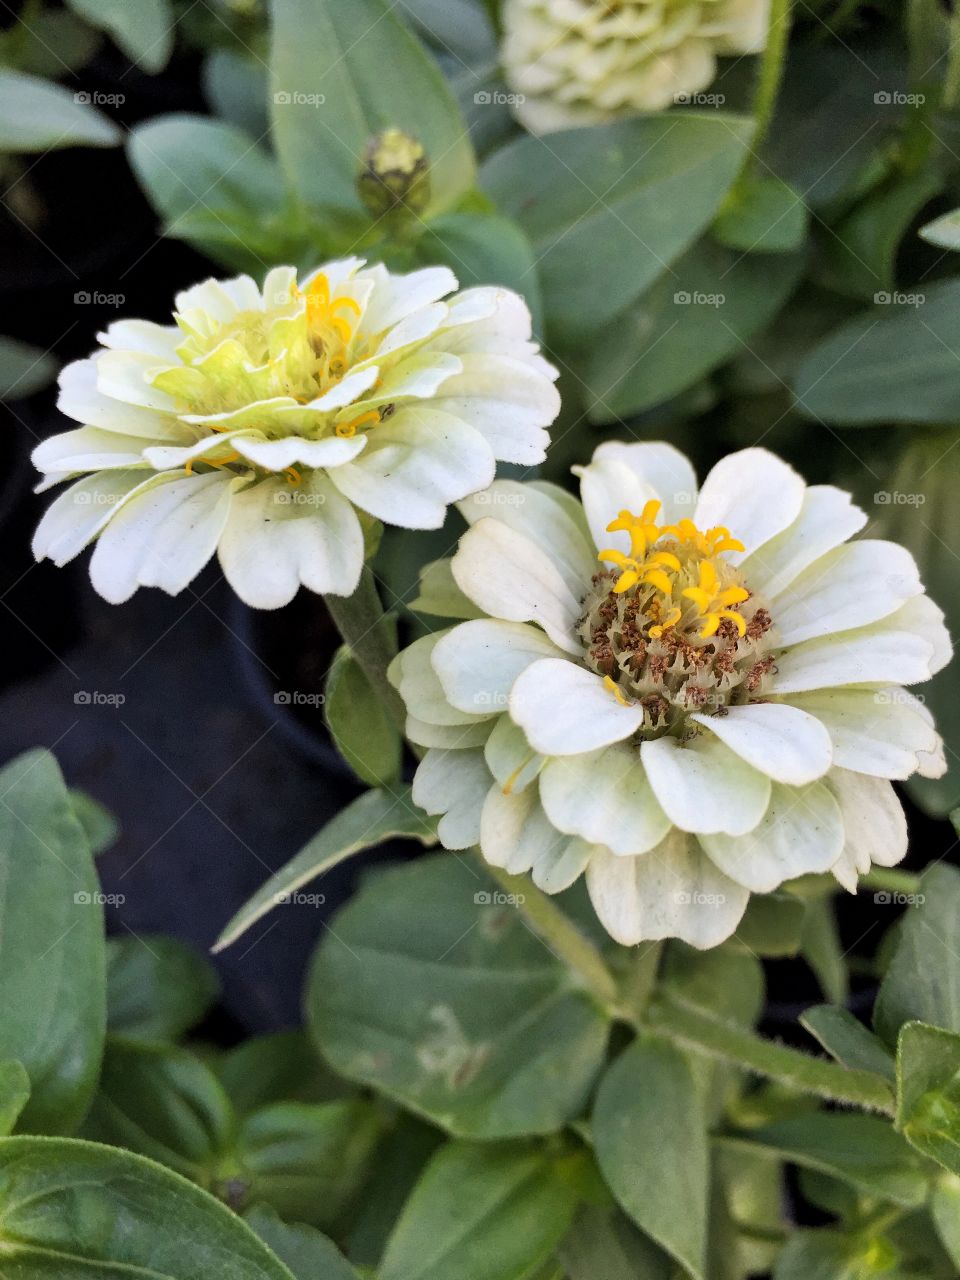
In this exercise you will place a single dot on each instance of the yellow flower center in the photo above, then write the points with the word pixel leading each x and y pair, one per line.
pixel 670 575
pixel 671 625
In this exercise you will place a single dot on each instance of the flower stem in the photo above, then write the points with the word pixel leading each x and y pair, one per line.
pixel 693 1029
pixel 559 934
pixel 772 67
pixel 369 635
pixel 891 879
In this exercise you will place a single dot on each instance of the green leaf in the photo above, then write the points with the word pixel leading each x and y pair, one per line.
pixel 772 924
pixel 648 1102
pixel 282 1067
pixel 305 1251
pixel 484 248
pixel 928 1091
pixel 307 1161
pixel 400 1160
pixel 864 1151
pixel 190 165
pixel 55 42
pixel 859 258
pixel 74 1209
pixel 490 1213
pixel 831 1255
pixel 762 215
pixel 144 31
pixel 893 363
pixel 430 988
pixel 362 728
pixel 608 209
pixel 52 1001
pixel 339 75
pixel 922 982
pixel 164 1103
pixel 99 825
pixel 235 85
pixel 848 1040
pixel 369 820
pixel 945 1211
pixel 14 1092
pixel 944 231
pixel 606 1246
pixel 36 115
pixel 691 320
pixel 157 987
pixel 23 369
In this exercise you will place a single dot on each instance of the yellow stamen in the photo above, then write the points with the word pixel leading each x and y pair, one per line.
pixel 671 620
pixel 211 462
pixel 293 475
pixel 611 686
pixel 347 429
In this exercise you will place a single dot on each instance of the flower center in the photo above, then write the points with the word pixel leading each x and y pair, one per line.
pixel 672 625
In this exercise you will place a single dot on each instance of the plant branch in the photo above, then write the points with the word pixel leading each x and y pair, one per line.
pixel 560 935
pixel 693 1029
pixel 369 636
pixel 772 67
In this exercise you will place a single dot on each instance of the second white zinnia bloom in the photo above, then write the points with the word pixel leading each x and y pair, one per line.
pixel 273 426
pixel 687 696
pixel 575 62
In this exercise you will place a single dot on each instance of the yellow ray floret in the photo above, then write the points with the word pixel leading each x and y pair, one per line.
pixel 322 309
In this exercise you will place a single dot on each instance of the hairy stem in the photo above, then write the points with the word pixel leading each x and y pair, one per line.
pixel 369 636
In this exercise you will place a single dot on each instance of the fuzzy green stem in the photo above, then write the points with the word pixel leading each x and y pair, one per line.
pixel 772 67
pixel 367 633
pixel 559 934
pixel 890 879
pixel 693 1029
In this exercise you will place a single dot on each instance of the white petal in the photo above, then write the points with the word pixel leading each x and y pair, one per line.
pixel 851 586
pixel 564 709
pixel 508 400
pixel 88 449
pixel 608 487
pixel 211 296
pixel 516 835
pixel 454 783
pixel 80 512
pixel 510 758
pixel 606 797
pixel 753 494
pixel 350 387
pixel 415 464
pixel 162 537
pixel 662 468
pixel 397 296
pixel 275 455
pixel 509 577
pixel 126 376
pixel 478 661
pixel 412 674
pixel 875 731
pixel 877 654
pixel 412 330
pixel 827 518
pixel 780 740
pixel 922 617
pixel 703 786
pixel 278 538
pixel 800 833
pixel 159 340
pixel 876 828
pixel 674 891
pixel 418 376
pixel 542 514
pixel 455 737
pixel 80 399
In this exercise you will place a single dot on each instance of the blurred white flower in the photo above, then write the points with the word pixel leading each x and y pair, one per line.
pixel 576 62
pixel 267 426
pixel 714 708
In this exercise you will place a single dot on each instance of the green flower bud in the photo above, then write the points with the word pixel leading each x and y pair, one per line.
pixel 394 175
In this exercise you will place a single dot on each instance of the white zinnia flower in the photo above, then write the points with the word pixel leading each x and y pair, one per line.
pixel 261 423
pixel 713 709
pixel 576 62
